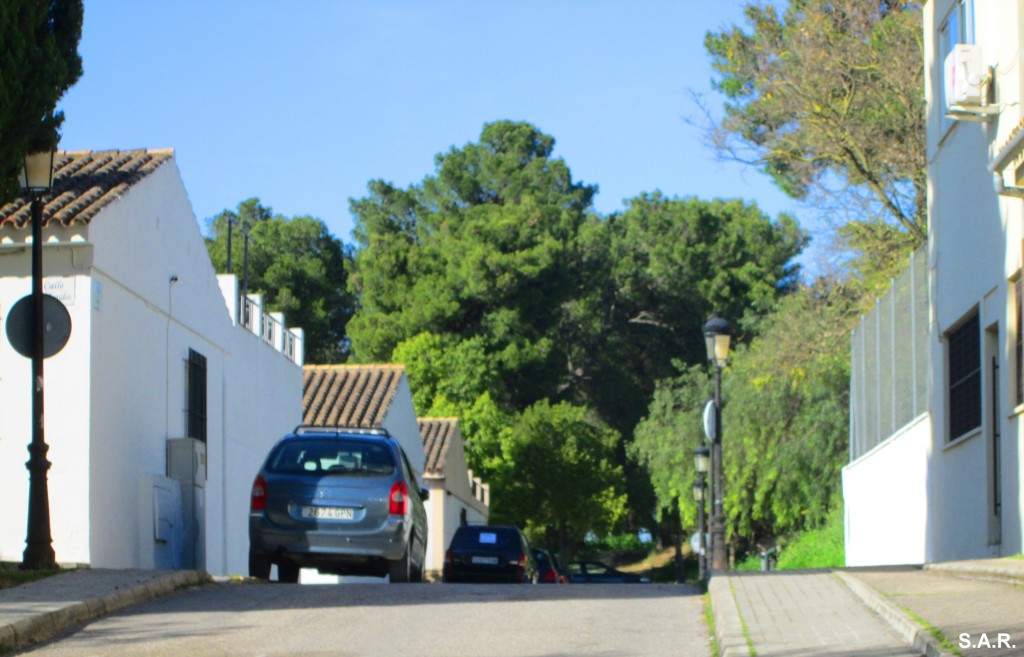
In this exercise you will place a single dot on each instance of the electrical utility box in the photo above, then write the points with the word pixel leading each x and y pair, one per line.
pixel 186 463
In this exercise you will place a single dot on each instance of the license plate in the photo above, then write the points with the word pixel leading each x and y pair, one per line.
pixel 328 512
pixel 490 561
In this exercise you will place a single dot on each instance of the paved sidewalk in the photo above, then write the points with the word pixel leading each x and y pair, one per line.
pixel 978 606
pixel 41 610
pixel 987 616
pixel 805 613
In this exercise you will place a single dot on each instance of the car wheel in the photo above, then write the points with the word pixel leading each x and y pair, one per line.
pixel 287 572
pixel 259 566
pixel 400 570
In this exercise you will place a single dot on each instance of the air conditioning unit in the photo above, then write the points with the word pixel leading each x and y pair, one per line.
pixel 965 76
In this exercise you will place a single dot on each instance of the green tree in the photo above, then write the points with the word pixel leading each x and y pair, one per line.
pixel 453 378
pixel 828 100
pixel 39 61
pixel 653 275
pixel 559 470
pixel 483 248
pixel 298 266
pixel 785 420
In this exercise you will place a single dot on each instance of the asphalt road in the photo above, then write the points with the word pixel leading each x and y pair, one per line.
pixel 418 620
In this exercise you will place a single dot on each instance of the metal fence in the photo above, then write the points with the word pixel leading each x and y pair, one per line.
pixel 889 360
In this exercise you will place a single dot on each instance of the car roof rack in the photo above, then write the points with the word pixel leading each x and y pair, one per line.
pixel 338 431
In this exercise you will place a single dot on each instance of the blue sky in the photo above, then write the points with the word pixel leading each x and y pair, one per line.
pixel 302 103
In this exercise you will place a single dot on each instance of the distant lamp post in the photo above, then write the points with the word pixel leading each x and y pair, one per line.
pixel 717 333
pixel 701 458
pixel 36 180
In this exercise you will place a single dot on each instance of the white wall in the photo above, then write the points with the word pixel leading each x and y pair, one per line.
pixel 885 497
pixel 144 294
pixel 262 402
pixel 400 421
pixel 66 404
pixel 974 252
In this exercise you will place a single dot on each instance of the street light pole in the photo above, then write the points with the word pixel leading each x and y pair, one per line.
pixel 718 557
pixel 701 456
pixel 39 552
pixel 698 494
pixel 717 333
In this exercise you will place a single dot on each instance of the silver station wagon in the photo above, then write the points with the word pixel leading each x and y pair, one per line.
pixel 344 501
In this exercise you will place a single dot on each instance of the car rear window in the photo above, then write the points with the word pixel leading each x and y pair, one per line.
pixel 497 537
pixel 332 457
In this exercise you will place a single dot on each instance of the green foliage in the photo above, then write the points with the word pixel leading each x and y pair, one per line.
pixel 455 379
pixel 823 547
pixel 784 421
pixel 654 274
pixel 786 416
pixel 827 99
pixel 298 266
pixel 498 290
pixel 559 469
pixel 482 249
pixel 621 542
pixel 39 61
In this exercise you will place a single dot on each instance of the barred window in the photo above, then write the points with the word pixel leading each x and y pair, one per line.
pixel 964 357
pixel 195 395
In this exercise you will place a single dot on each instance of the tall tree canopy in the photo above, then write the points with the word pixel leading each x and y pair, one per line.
pixel 501 293
pixel 828 100
pixel 482 248
pixel 298 266
pixel 653 275
pixel 39 61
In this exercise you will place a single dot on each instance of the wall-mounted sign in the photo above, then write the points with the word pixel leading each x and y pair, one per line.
pixel 61 288
pixel 56 326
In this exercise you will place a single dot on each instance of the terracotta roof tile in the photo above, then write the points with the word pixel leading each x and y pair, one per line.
pixel 84 182
pixel 437 434
pixel 348 395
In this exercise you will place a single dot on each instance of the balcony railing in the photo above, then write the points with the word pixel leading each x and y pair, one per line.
pixel 270 328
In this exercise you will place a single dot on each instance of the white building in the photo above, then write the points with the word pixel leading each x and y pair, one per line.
pixel 162 406
pixel 942 480
pixel 456 496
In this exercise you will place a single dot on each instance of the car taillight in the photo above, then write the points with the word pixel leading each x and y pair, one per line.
pixel 520 563
pixel 258 500
pixel 398 500
pixel 448 558
pixel 549 576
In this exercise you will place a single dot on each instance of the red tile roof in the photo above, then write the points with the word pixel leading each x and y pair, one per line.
pixel 348 395
pixel 84 182
pixel 438 434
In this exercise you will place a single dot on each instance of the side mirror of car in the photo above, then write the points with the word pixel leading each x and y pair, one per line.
pixel 424 494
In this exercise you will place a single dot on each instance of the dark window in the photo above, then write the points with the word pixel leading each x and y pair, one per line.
pixel 333 457
pixel 195 395
pixel 1019 338
pixel 964 352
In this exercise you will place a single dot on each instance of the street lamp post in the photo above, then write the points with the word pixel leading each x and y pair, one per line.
pixel 701 456
pixel 37 177
pixel 717 334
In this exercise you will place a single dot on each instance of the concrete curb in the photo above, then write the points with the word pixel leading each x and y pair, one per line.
pixel 46 625
pixel 728 627
pixel 909 630
pixel 985 571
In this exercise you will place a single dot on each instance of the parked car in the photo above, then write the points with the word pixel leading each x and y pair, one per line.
pixel 343 501
pixel 595 572
pixel 489 553
pixel 548 571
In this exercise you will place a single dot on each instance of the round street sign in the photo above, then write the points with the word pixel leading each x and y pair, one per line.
pixel 709 421
pixel 56 326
